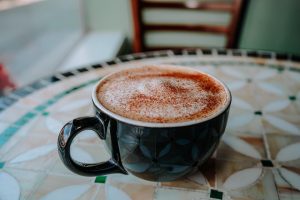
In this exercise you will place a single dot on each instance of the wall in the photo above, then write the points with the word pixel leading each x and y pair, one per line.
pixel 36 37
pixel 112 15
pixel 269 24
pixel 272 25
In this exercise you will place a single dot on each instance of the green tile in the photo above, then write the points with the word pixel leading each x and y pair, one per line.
pixel 76 88
pixel 45 113
pixel 67 92
pixel 29 115
pixel 10 131
pixel 21 122
pixel 7 134
pixel 1 165
pixel 2 141
pixel 40 108
pixel 100 179
pixel 51 102
pixel 58 96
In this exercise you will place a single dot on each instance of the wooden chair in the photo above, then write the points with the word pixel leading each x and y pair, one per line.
pixel 230 31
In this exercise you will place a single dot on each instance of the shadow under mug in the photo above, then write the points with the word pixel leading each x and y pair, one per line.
pixel 151 151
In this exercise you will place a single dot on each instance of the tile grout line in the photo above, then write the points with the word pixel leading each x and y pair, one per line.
pixel 266 144
pixel 267 147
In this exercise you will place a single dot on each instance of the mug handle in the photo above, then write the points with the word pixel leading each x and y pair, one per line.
pixel 69 132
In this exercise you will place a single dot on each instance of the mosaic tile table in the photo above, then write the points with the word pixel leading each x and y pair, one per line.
pixel 259 157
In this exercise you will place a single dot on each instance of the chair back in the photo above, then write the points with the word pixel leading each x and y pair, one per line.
pixel 156 20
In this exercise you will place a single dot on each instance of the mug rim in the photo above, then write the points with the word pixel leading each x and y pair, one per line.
pixel 126 120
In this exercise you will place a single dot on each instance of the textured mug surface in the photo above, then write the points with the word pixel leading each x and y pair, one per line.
pixel 165 154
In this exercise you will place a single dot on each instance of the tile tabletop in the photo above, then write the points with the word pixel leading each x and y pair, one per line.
pixel 258 157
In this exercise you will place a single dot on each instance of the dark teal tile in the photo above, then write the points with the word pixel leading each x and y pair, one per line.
pixel 7 134
pixel 29 115
pixel 97 66
pixel 2 140
pixel 83 69
pixel 40 108
pixel 215 194
pixel 21 122
pixel 292 98
pixel 58 96
pixel 67 74
pixel 267 163
pixel 45 113
pixel 54 79
pixel 258 112
pixel 51 101
pixel 9 131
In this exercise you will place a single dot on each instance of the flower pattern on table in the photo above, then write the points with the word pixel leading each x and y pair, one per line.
pixel 10 188
pixel 245 116
pixel 285 123
pixel 257 76
pixel 286 159
pixel 34 153
pixel 68 192
pixel 266 114
pixel 242 178
pixel 258 157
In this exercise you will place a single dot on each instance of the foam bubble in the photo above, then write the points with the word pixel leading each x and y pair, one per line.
pixel 159 94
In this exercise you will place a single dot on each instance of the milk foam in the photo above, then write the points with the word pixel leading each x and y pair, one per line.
pixel 162 94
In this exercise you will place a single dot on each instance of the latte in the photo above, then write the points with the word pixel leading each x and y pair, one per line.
pixel 162 94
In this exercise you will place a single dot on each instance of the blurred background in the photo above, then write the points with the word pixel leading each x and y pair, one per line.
pixel 42 37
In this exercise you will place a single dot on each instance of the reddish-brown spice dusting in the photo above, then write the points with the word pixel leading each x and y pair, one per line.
pixel 145 107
